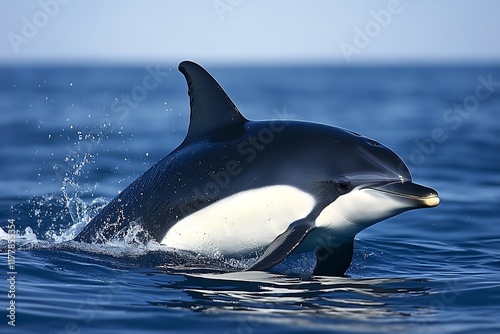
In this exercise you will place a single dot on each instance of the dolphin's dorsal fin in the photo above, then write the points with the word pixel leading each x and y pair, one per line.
pixel 211 108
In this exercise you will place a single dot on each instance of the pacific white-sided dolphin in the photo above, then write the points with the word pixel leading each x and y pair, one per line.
pixel 241 188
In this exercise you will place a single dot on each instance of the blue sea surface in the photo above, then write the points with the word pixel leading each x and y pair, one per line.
pixel 72 137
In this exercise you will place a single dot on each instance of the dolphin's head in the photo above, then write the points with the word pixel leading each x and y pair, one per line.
pixel 371 183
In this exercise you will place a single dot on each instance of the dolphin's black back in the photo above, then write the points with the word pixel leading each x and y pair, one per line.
pixel 199 173
pixel 224 153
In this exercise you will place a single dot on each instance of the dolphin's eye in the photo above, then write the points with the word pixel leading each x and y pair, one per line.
pixel 343 185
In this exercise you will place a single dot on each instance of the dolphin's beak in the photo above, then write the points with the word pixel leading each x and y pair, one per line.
pixel 418 196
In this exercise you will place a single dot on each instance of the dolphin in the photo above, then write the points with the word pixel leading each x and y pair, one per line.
pixel 262 189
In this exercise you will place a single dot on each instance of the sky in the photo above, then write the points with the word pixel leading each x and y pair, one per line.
pixel 250 31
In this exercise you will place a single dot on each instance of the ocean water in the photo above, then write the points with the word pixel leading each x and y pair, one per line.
pixel 72 137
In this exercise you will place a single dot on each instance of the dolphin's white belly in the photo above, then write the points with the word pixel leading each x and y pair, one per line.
pixel 242 223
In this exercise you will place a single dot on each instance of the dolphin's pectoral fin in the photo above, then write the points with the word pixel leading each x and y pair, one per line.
pixel 284 244
pixel 334 260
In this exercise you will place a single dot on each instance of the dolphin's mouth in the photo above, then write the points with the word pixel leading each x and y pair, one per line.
pixel 420 196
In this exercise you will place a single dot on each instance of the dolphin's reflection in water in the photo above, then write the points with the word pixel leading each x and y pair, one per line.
pixel 268 297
